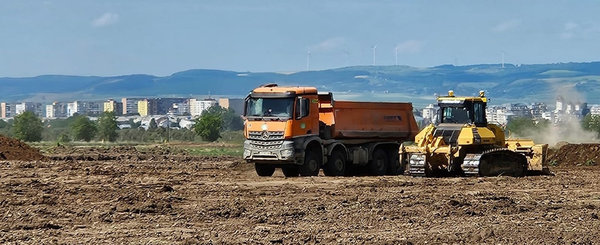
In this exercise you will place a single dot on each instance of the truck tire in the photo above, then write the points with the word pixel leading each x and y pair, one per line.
pixel 336 165
pixel 397 164
pixel 290 171
pixel 311 165
pixel 264 170
pixel 379 164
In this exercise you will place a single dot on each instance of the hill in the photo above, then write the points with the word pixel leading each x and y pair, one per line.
pixel 522 83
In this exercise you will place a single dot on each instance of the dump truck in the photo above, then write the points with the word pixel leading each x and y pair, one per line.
pixel 463 143
pixel 302 131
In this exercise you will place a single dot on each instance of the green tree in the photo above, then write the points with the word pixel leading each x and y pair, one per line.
pixel 63 138
pixel 231 121
pixel 83 128
pixel 107 126
pixel 6 127
pixel 591 123
pixel 4 124
pixel 152 124
pixel 134 124
pixel 28 127
pixel 520 126
pixel 208 126
pixel 526 127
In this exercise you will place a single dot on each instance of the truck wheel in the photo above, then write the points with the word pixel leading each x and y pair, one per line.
pixel 290 171
pixel 264 169
pixel 397 164
pixel 378 166
pixel 311 165
pixel 336 165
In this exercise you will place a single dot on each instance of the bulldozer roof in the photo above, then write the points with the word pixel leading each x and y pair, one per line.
pixel 454 99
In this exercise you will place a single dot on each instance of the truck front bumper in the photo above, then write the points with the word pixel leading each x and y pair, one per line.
pixel 267 152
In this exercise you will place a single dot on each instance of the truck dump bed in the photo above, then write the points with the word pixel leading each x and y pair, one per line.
pixel 361 120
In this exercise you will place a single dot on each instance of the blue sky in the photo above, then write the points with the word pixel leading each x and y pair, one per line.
pixel 83 37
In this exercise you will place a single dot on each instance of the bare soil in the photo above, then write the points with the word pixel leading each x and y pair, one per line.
pixel 119 195
pixel 14 149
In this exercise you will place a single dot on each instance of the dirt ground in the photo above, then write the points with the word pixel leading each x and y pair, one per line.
pixel 122 195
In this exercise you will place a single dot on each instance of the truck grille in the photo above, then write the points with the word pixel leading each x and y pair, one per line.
pixel 265 135
pixel 266 144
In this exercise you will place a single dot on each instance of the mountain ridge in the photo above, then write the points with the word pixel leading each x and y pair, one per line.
pixel 504 83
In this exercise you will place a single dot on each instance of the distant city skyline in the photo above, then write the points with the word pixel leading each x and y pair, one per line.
pixel 104 38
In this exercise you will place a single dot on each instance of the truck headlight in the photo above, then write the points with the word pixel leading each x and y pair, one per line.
pixel 287 153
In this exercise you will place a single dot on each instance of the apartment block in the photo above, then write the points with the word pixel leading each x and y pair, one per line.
pixel 147 107
pixel 7 110
pixel 36 108
pixel 113 106
pixel 198 106
pixel 91 108
pixel 130 105
pixel 237 105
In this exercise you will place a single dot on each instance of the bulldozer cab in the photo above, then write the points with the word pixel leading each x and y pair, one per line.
pixel 462 110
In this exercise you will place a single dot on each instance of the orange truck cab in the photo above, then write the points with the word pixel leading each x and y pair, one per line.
pixel 300 131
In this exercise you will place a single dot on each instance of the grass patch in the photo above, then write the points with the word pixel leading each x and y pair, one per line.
pixel 589 162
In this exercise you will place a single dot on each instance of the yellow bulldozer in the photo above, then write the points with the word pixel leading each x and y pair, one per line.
pixel 463 143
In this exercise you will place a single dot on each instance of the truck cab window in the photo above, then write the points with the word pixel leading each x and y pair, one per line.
pixel 270 107
pixel 302 108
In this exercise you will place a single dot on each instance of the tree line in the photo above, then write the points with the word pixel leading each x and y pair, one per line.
pixel 28 127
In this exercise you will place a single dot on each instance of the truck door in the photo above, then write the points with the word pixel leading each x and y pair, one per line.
pixel 306 116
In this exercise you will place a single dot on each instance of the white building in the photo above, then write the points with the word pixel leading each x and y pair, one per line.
pixel 185 123
pixel 430 113
pixel 50 111
pixel 20 108
pixel 595 110
pixel 72 108
pixel 198 106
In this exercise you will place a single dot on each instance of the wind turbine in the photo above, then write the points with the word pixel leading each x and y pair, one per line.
pixel 308 60
pixel 374 48
pixel 396 50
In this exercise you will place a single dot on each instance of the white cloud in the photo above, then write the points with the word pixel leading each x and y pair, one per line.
pixel 572 30
pixel 105 20
pixel 331 44
pixel 571 26
pixel 506 25
pixel 409 46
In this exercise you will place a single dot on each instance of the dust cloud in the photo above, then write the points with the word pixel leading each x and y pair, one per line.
pixel 569 131
pixel 565 127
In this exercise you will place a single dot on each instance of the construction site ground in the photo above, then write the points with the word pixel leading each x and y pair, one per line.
pixel 122 195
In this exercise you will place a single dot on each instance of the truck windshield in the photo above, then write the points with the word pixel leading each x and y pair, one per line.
pixel 270 107
pixel 455 115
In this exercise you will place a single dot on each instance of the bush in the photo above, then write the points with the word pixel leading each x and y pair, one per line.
pixel 28 127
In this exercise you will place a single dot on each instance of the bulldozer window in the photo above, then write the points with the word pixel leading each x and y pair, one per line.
pixel 479 114
pixel 455 115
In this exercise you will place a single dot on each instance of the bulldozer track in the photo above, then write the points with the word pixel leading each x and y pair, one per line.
pixel 516 163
